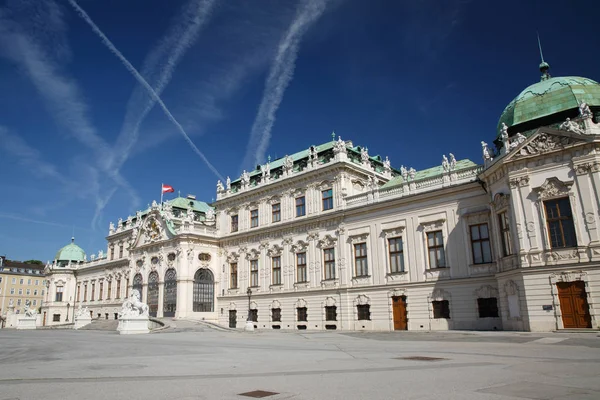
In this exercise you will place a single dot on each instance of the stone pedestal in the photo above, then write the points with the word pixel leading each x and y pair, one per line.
pixel 133 325
pixel 249 326
pixel 26 322
pixel 80 322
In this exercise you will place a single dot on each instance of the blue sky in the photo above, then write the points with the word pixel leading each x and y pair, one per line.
pixel 84 142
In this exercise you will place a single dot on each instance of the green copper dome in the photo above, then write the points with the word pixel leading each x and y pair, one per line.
pixel 550 101
pixel 71 252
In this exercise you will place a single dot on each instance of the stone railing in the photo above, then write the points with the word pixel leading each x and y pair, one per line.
pixel 417 186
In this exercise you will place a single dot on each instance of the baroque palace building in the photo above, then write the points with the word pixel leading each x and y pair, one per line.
pixel 332 237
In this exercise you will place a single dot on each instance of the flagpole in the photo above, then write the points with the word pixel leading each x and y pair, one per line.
pixel 161 193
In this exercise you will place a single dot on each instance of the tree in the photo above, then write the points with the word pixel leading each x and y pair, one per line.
pixel 36 262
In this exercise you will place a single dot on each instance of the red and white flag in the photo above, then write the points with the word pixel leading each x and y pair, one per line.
pixel 167 189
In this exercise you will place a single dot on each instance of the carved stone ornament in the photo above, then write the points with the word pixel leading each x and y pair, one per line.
pixel 339 146
pixel 299 247
pixel 501 201
pixel 431 225
pixel 544 143
pixel 590 218
pixel 326 242
pixel 552 188
pixel 393 232
pixel 252 254
pixel 153 230
pixel 329 302
pixel 275 304
pixel 232 306
pixel 583 169
pixel 274 251
pixel 439 295
pixel 486 291
pixel 358 238
pixel 571 126
pixel 511 288
pixel 520 181
pixel 232 257
pixel 568 276
pixel 362 300
pixel 300 303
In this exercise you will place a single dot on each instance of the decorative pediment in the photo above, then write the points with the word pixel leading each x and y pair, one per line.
pixel 252 254
pixel 299 247
pixel 329 302
pixel 232 257
pixel 544 142
pixel 301 303
pixel 439 295
pixel 486 291
pixel 358 238
pixel 151 230
pixel 511 288
pixel 393 232
pixel 275 304
pixel 362 300
pixel 501 201
pixel 274 251
pixel 431 225
pixel 552 188
pixel 326 242
pixel 568 276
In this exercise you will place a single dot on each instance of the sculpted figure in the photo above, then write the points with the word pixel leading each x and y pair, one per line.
pixel 404 172
pixel 219 186
pixel 228 183
pixel 245 178
pixel 82 312
pixel 111 227
pixel 486 151
pixel 584 110
pixel 364 155
pixel 445 164
pixel 133 307
pixel 29 312
pixel 452 162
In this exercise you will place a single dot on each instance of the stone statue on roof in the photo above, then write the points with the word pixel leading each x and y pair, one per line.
pixel 364 155
pixel 452 162
pixel 265 171
pixel 228 183
pixel 412 172
pixel 571 126
pixel 111 227
pixel 445 163
pixel 288 163
pixel 486 151
pixel 520 137
pixel 504 138
pixel 339 146
pixel 245 178
pixel 584 110
pixel 404 172
pixel 220 187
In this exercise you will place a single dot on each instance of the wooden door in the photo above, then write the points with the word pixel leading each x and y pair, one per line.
pixel 574 305
pixel 399 312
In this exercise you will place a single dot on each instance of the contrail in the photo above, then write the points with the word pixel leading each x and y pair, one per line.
pixel 280 75
pixel 182 36
pixel 143 82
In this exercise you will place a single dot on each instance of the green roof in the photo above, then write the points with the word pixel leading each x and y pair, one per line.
pixel 183 202
pixel 429 173
pixel 71 252
pixel 548 97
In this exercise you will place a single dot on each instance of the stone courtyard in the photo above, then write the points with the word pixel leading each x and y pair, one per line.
pixel 191 361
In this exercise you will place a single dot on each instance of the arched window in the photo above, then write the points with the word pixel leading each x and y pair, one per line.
pixel 204 291
pixel 170 296
pixel 138 284
pixel 153 293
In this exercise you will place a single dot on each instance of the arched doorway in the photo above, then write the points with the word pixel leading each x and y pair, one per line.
pixel 170 301
pixel 153 293
pixel 138 283
pixel 204 291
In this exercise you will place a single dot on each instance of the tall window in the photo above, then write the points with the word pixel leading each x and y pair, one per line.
pixel 330 313
pixel 109 289
pixel 505 233
pixel 360 259
pixel 121 251
pixel 488 307
pixel 441 309
pixel 300 206
pixel 396 249
pixel 101 291
pixel 254 315
pixel 276 314
pixel 301 267
pixel 329 256
pixel 480 244
pixel 254 218
pixel 233 273
pixel 204 291
pixel 59 293
pixel 364 311
pixel 253 273
pixel 276 261
pixel 85 292
pixel 560 223
pixel 276 212
pixel 234 223
pixel 93 290
pixel 112 253
pixel 327 196
pixel 78 292
pixel 118 288
pixel 302 314
pixel 435 245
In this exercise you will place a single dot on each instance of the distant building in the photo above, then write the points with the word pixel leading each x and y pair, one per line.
pixel 20 283
pixel 332 237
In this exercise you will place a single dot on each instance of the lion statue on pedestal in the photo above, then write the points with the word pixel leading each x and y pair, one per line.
pixel 133 306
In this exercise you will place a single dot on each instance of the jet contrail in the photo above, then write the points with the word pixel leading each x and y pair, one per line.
pixel 143 82
pixel 280 75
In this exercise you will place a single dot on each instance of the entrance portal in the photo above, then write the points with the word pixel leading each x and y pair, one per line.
pixel 399 312
pixel 204 291
pixel 153 294
pixel 170 302
pixel 573 305
pixel 232 318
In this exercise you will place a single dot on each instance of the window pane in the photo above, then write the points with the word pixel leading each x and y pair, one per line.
pixel 474 232
pixel 438 238
pixel 441 258
pixel 483 231
pixel 477 253
pixel 430 239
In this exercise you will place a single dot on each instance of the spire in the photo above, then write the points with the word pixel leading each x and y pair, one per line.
pixel 72 239
pixel 544 66
pixel 333 136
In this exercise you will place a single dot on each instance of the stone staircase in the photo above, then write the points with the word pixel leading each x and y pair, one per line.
pixel 102 325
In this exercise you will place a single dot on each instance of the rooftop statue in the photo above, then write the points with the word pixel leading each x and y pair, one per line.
pixel 404 172
pixel 288 163
pixel 584 111
pixel 133 307
pixel 571 126
pixel 504 138
pixel 245 178
pixel 445 163
pixel 486 151
pixel 228 183
pixel 220 187
pixel 412 172
pixel 111 227
pixel 339 146
pixel 452 162
pixel 364 155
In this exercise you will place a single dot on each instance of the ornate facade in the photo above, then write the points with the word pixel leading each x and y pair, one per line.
pixel 334 238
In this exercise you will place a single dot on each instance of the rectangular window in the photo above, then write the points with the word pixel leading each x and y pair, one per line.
pixel 254 218
pixel 302 314
pixel 78 292
pixel 254 315
pixel 276 314
pixel 112 253
pixel 560 223
pixel 364 312
pixel 35 292
pixel 35 302
pixel 360 259
pixel 233 273
pixel 29 281
pixel 480 244
pixel 59 293
pixel 109 289
pixel 396 249
pixel 327 196
pixel 301 267
pixel 276 262
pixel 14 280
pixel 488 307
pixel 19 302
pixel 435 245
pixel 276 212
pixel 330 313
pixel 234 223
pixel 254 273
pixel 28 291
pixel 101 291
pixel 441 309
pixel 56 317
pixel 300 206
pixel 37 282
pixel 505 234
pixel 93 291
pixel 12 290
pixel 21 281
pixel 329 256
pixel 20 291
pixel 121 251
pixel 118 288
pixel 127 287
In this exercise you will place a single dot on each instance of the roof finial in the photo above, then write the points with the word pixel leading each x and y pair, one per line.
pixel 544 66
pixel 269 158
pixel 333 136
